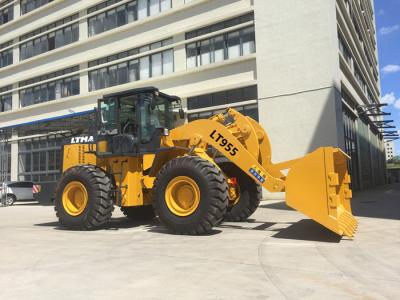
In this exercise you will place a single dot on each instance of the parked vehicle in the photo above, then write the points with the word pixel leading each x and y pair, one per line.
pixel 17 191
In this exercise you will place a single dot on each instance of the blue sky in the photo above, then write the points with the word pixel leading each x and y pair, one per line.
pixel 387 14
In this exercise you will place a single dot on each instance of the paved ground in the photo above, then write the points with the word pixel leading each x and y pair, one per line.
pixel 278 254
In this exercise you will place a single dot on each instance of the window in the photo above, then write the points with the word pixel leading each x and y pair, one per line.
pixel 220 26
pixel 345 51
pixel 29 5
pixel 48 91
pixel 6 56
pixel 123 14
pixel 50 41
pixel 223 98
pixel 144 67
pixel 360 79
pixel 5 99
pixel 39 159
pixel 226 46
pixel 351 145
pixel 6 12
pixel 248 110
pixel 5 158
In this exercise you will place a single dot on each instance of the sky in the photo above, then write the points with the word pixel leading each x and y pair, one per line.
pixel 387 13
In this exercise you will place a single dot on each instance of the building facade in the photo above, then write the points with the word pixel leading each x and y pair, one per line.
pixel 301 68
pixel 390 149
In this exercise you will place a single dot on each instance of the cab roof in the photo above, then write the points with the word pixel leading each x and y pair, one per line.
pixel 144 90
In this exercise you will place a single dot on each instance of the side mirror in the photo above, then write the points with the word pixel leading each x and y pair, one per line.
pixel 181 113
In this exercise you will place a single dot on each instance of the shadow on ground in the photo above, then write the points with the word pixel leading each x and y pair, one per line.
pixel 124 223
pixel 382 202
pixel 305 230
pixel 114 224
pixel 308 230
pixel 278 205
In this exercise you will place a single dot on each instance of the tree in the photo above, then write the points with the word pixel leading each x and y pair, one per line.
pixel 394 160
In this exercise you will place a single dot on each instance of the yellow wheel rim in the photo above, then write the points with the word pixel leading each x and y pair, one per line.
pixel 182 196
pixel 75 198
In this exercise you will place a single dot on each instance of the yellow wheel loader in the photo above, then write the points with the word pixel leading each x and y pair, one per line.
pixel 193 176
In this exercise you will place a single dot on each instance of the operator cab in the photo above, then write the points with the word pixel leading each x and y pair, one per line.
pixel 132 122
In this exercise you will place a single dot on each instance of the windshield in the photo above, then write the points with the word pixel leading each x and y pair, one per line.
pixel 108 123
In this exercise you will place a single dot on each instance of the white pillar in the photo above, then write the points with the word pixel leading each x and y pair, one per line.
pixel 17 9
pixel 84 79
pixel 14 157
pixel 15 97
pixel 179 53
pixel 14 138
pixel 15 51
pixel 83 26
pixel 176 3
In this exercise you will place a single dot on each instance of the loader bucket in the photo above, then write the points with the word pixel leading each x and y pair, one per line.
pixel 318 185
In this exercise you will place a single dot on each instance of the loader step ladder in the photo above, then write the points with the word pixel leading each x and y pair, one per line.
pixel 3 167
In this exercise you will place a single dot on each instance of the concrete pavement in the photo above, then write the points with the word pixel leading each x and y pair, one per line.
pixel 278 254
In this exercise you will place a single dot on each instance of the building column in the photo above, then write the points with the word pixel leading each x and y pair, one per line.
pixel 180 58
pixel 300 109
pixel 14 137
pixel 17 9
pixel 83 26
pixel 179 53
pixel 176 3
pixel 83 79
pixel 14 157
pixel 15 51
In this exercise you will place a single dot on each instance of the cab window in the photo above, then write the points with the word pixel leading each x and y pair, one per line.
pixel 127 115
pixel 108 116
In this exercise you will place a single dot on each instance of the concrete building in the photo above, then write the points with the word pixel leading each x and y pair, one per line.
pixel 302 68
pixel 390 149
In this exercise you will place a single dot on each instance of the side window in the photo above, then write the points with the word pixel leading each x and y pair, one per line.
pixel 108 123
pixel 145 127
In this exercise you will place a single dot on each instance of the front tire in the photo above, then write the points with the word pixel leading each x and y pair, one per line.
pixel 10 199
pixel 83 200
pixel 190 195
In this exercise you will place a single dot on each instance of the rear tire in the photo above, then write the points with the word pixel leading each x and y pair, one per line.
pixel 250 194
pixel 210 195
pixel 139 213
pixel 99 205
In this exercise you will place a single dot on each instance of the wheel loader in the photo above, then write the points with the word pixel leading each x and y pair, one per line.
pixel 193 176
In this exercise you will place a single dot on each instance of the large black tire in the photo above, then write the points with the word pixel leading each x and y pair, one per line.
pixel 213 195
pixel 250 194
pixel 139 213
pixel 100 204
